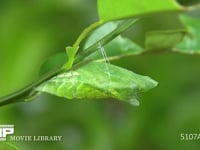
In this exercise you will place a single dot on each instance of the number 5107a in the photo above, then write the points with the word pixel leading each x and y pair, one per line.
pixel 189 136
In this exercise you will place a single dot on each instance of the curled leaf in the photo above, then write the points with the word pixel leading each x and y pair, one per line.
pixel 96 80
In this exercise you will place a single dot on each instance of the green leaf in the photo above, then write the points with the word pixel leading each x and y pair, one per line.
pixel 155 32
pixel 99 33
pixel 99 80
pixel 116 48
pixel 7 146
pixel 103 36
pixel 191 42
pixel 162 40
pixel 52 63
pixel 159 31
pixel 117 9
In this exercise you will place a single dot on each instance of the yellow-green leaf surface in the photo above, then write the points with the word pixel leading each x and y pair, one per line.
pixel 118 9
pixel 99 80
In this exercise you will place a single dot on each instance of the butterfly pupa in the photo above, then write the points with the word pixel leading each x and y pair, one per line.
pixel 89 82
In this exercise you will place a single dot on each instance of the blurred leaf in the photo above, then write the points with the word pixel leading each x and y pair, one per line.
pixel 163 39
pixel 159 31
pixel 99 80
pixel 54 62
pixel 191 42
pixel 7 146
pixel 188 3
pixel 117 9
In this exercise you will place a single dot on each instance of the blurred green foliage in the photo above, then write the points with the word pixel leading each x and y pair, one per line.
pixel 31 31
pixel 6 146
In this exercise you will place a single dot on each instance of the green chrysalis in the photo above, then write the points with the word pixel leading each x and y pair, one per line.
pixel 92 81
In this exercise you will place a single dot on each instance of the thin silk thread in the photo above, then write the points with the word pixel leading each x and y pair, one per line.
pixel 107 62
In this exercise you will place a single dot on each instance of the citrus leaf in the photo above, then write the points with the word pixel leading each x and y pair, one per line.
pixel 117 9
pixel 191 42
pixel 100 33
pixel 118 47
pixel 98 80
pixel 162 40
pixel 103 38
pixel 155 32
pixel 159 31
